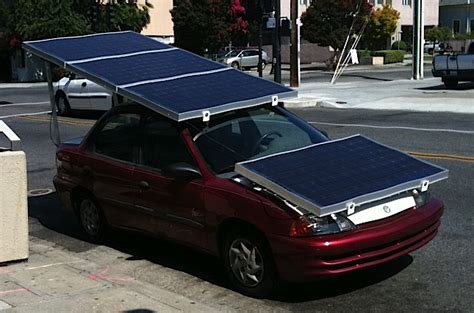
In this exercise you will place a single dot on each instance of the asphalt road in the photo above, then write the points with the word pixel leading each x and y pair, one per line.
pixel 438 277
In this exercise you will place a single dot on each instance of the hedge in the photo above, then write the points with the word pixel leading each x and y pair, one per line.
pixel 399 45
pixel 389 56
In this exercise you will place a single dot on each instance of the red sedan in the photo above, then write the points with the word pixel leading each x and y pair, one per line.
pixel 140 171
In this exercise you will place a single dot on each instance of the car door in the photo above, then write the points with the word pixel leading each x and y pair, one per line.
pixel 245 59
pixel 109 166
pixel 77 92
pixel 174 204
pixel 253 58
pixel 99 97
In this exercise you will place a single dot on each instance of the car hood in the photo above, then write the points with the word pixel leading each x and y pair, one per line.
pixel 339 175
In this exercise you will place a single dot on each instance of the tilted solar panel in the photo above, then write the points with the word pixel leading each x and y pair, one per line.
pixel 174 82
pixel 325 178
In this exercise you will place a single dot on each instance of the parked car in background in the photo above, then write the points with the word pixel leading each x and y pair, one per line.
pixel 430 47
pixel 244 59
pixel 77 93
pixel 454 68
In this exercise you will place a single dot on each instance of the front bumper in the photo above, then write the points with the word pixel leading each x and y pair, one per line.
pixel 306 259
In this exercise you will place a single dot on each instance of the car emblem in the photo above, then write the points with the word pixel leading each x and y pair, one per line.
pixel 386 208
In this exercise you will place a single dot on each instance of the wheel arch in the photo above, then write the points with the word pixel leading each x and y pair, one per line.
pixel 77 194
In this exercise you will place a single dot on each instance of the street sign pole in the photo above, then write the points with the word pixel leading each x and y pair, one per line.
pixel 277 44
pixel 418 39
pixel 295 70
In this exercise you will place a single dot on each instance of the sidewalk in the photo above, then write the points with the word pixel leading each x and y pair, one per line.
pixel 55 279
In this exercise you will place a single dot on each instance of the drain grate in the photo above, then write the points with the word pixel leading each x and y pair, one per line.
pixel 39 192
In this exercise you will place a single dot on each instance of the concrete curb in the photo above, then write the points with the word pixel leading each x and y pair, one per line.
pixel 22 85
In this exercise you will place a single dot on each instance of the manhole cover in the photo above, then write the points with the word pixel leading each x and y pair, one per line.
pixel 39 192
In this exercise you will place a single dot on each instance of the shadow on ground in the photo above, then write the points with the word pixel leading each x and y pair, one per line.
pixel 460 86
pixel 63 229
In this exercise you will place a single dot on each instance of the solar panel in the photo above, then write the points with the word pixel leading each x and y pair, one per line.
pixel 328 177
pixel 174 82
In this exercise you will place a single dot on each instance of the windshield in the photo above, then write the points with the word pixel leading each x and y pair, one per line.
pixel 233 53
pixel 248 134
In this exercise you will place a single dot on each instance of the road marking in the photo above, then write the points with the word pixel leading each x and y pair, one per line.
pixel 62 120
pixel 25 114
pixel 442 130
pixel 450 157
pixel 25 103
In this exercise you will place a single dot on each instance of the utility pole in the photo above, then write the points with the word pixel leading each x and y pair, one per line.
pixel 295 76
pixel 277 44
pixel 418 38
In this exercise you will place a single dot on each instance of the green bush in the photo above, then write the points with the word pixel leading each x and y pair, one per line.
pixel 390 56
pixel 399 45
pixel 363 53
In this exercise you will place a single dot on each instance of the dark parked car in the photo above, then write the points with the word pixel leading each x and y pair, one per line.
pixel 140 171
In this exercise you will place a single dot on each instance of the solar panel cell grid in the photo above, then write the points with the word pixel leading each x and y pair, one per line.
pixel 339 171
pixel 147 66
pixel 78 48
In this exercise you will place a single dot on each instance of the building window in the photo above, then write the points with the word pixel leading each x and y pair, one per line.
pixel 380 2
pixel 406 2
pixel 456 26
pixel 472 26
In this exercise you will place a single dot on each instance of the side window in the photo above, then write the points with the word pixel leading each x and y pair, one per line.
pixel 253 53
pixel 118 137
pixel 162 144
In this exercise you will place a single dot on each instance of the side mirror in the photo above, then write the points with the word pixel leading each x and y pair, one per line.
pixel 71 75
pixel 182 171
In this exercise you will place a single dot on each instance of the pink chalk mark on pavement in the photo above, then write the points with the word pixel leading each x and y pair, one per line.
pixel 7 292
pixel 103 275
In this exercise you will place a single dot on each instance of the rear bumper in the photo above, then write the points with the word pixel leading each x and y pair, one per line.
pixel 306 259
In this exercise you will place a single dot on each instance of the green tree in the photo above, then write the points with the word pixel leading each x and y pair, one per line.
pixel 382 25
pixel 327 22
pixel 438 34
pixel 39 19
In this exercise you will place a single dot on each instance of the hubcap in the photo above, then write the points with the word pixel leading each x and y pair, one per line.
pixel 246 262
pixel 90 217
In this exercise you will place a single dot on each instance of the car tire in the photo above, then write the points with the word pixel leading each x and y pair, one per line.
pixel 430 51
pixel 92 219
pixel 62 105
pixel 249 264
pixel 235 65
pixel 450 83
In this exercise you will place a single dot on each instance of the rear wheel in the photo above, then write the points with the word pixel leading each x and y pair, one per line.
pixel 450 83
pixel 62 105
pixel 249 264
pixel 92 219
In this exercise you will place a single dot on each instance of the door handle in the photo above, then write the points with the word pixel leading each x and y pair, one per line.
pixel 144 184
pixel 84 84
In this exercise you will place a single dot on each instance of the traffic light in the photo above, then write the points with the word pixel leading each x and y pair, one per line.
pixel 94 14
pixel 110 13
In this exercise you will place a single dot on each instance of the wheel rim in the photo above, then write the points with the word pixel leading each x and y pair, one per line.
pixel 61 105
pixel 246 262
pixel 235 65
pixel 90 218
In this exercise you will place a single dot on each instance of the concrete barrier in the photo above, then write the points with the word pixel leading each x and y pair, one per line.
pixel 13 200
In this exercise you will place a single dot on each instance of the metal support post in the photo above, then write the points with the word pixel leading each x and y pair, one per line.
pixel 260 30
pixel 418 39
pixel 277 44
pixel 295 70
pixel 53 128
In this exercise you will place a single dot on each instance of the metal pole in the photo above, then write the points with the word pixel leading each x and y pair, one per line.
pixel 54 127
pixel 418 39
pixel 260 71
pixel 277 43
pixel 295 75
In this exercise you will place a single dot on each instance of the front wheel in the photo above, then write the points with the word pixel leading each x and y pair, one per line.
pixel 92 219
pixel 235 65
pixel 249 264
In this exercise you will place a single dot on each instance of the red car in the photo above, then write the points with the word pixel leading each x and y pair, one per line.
pixel 140 171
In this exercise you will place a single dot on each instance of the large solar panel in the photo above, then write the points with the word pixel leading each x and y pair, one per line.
pixel 328 177
pixel 174 82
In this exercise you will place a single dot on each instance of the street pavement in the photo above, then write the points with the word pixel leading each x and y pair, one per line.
pixel 132 273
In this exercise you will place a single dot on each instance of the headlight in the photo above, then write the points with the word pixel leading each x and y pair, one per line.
pixel 311 225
